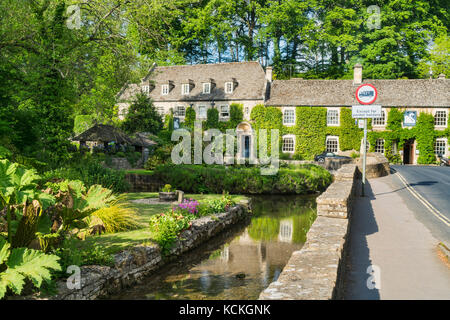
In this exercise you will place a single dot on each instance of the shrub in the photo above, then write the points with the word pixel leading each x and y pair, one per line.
pixel 167 188
pixel 244 180
pixel 90 172
pixel 115 218
pixel 167 226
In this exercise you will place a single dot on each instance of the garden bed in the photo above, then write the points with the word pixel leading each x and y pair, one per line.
pixel 131 265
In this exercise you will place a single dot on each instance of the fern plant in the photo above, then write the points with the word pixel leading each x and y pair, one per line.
pixel 19 264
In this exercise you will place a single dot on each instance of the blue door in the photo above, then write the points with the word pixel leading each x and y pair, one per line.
pixel 246 147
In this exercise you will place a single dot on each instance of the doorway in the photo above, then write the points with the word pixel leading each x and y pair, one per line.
pixel 246 149
pixel 408 152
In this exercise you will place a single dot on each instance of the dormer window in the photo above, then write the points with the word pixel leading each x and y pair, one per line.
pixel 206 88
pixel 165 89
pixel 228 87
pixel 185 88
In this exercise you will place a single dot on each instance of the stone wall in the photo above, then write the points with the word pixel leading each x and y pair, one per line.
pixel 143 182
pixel 377 165
pixel 316 271
pixel 131 266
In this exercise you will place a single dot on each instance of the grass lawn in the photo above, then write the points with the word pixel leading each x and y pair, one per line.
pixel 115 242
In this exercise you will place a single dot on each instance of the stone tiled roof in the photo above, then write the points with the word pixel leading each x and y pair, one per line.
pixel 399 93
pixel 248 77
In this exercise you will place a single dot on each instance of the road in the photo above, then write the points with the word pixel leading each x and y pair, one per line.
pixel 428 196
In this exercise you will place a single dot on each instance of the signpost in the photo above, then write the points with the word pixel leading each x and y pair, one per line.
pixel 366 94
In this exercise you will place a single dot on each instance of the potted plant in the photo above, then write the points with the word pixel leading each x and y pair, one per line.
pixel 167 193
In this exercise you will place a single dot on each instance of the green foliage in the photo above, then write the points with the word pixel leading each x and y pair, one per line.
pixel 212 119
pixel 190 118
pixel 18 186
pixel 82 123
pixel 167 226
pixel 242 180
pixel 167 188
pixel 75 202
pixel 310 130
pixel 90 172
pixel 19 264
pixel 142 116
pixel 424 131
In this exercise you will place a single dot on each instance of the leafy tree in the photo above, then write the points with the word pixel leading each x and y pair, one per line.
pixel 142 116
pixel 438 60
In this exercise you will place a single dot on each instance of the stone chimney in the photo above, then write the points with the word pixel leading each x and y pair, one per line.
pixel 441 76
pixel 269 74
pixel 357 74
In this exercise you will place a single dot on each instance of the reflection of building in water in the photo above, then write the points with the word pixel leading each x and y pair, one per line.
pixel 251 257
pixel 286 230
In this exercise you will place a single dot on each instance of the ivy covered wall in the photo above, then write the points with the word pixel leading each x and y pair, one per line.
pixel 311 130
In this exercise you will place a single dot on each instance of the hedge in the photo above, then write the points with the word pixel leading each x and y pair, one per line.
pixel 303 179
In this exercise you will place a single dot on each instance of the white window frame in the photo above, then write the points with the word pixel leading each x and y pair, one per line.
pixel 226 87
pixel 445 147
pixel 338 117
pixel 332 138
pixel 445 119
pixel 220 112
pixel 176 113
pixel 206 87
pixel 290 109
pixel 383 118
pixel 160 110
pixel 185 89
pixel 165 89
pixel 199 114
pixel 146 89
pixel 288 136
pixel 379 147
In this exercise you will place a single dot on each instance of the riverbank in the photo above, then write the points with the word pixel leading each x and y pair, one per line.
pixel 132 265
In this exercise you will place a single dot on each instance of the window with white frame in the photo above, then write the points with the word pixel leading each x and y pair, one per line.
pixel 440 118
pixel 228 87
pixel 288 144
pixel 207 88
pixel 165 89
pixel 246 111
pixel 332 117
pixel 185 88
pixel 332 144
pixel 224 112
pixel 289 116
pixel 160 110
pixel 146 89
pixel 201 112
pixel 380 121
pixel 379 146
pixel 440 145
pixel 180 111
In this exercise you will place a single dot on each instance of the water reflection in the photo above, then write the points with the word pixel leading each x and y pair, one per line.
pixel 239 263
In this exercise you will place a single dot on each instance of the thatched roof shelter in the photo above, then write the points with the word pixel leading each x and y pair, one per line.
pixel 104 133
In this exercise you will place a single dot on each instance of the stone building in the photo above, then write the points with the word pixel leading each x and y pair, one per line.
pixel 201 86
pixel 219 85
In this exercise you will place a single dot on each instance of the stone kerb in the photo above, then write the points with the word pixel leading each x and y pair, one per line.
pixel 316 271
pixel 132 265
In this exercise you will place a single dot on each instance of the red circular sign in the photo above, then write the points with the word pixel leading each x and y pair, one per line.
pixel 366 94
